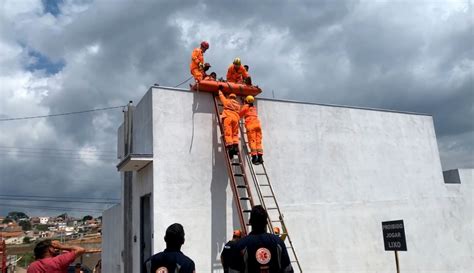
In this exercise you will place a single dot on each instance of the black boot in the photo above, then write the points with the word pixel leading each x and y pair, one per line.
pixel 254 159
pixel 230 150
pixel 260 159
pixel 236 149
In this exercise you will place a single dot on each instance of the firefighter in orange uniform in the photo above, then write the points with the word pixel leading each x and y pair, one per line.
pixel 254 129
pixel 230 118
pixel 237 73
pixel 197 61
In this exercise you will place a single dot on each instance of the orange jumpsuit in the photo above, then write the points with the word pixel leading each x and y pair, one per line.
pixel 196 58
pixel 230 117
pixel 254 129
pixel 238 75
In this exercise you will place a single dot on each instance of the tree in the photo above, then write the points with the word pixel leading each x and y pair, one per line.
pixel 16 215
pixel 26 240
pixel 63 216
pixel 87 217
pixel 25 225
pixel 6 221
pixel 42 227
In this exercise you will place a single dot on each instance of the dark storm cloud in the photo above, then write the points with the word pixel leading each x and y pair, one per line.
pixel 412 57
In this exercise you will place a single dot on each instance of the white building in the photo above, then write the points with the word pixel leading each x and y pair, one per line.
pixel 44 220
pixel 337 172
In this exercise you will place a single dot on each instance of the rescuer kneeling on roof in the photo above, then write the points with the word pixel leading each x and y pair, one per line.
pixel 197 61
pixel 230 119
pixel 254 129
pixel 237 73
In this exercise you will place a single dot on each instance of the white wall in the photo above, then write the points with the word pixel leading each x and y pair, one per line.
pixel 338 173
pixel 112 240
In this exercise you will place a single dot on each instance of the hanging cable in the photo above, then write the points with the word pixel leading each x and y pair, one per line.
pixel 184 82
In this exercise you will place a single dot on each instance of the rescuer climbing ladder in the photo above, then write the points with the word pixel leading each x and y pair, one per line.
pixel 238 178
pixel 267 198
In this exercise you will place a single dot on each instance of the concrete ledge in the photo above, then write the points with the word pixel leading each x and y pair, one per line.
pixel 134 162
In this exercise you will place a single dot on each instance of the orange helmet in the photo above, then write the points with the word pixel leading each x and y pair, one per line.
pixel 237 233
pixel 205 44
pixel 276 230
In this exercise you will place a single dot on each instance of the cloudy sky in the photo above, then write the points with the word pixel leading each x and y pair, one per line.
pixel 59 56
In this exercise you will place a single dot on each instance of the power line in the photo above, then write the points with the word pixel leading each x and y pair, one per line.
pixel 59 150
pixel 52 208
pixel 57 201
pixel 63 114
pixel 58 197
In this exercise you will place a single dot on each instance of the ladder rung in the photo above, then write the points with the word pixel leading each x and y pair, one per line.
pixel 238 174
pixel 247 211
pixel 275 221
pixel 244 198
pixel 268 196
pixel 241 186
pixel 236 164
pixel 260 173
pixel 263 185
pixel 271 208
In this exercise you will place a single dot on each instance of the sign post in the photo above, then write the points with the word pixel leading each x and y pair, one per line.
pixel 394 238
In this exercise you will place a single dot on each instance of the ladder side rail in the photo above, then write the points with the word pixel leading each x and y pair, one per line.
pixel 281 219
pixel 253 173
pixel 230 170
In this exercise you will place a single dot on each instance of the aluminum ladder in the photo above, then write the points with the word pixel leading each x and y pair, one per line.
pixel 267 198
pixel 238 178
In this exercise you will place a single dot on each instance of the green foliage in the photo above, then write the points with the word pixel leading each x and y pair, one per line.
pixel 16 215
pixel 6 221
pixel 87 217
pixel 25 225
pixel 26 240
pixel 42 227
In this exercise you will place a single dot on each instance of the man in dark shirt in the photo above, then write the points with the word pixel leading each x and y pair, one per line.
pixel 262 252
pixel 172 260
pixel 228 255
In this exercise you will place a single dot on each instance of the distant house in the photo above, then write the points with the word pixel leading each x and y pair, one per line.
pixel 43 220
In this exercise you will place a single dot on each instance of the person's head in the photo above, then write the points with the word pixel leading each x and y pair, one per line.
pixel 207 66
pixel 204 46
pixel 246 68
pixel 249 99
pixel 237 63
pixel 174 236
pixel 258 219
pixel 45 249
pixel 232 96
pixel 213 75
pixel 237 234
pixel 276 230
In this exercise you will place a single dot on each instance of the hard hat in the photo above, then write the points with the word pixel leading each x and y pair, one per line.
pixel 237 233
pixel 232 95
pixel 237 61
pixel 205 44
pixel 276 230
pixel 249 99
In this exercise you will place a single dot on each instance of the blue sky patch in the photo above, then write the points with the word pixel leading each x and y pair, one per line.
pixel 52 6
pixel 41 62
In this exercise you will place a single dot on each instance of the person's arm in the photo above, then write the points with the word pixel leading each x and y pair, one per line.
pixel 222 98
pixel 244 110
pixel 244 72
pixel 229 73
pixel 77 250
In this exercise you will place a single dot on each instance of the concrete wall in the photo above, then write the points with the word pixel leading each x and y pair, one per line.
pixel 112 243
pixel 338 172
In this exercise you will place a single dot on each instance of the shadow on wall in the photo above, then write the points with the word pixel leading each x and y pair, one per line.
pixel 201 104
pixel 219 199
